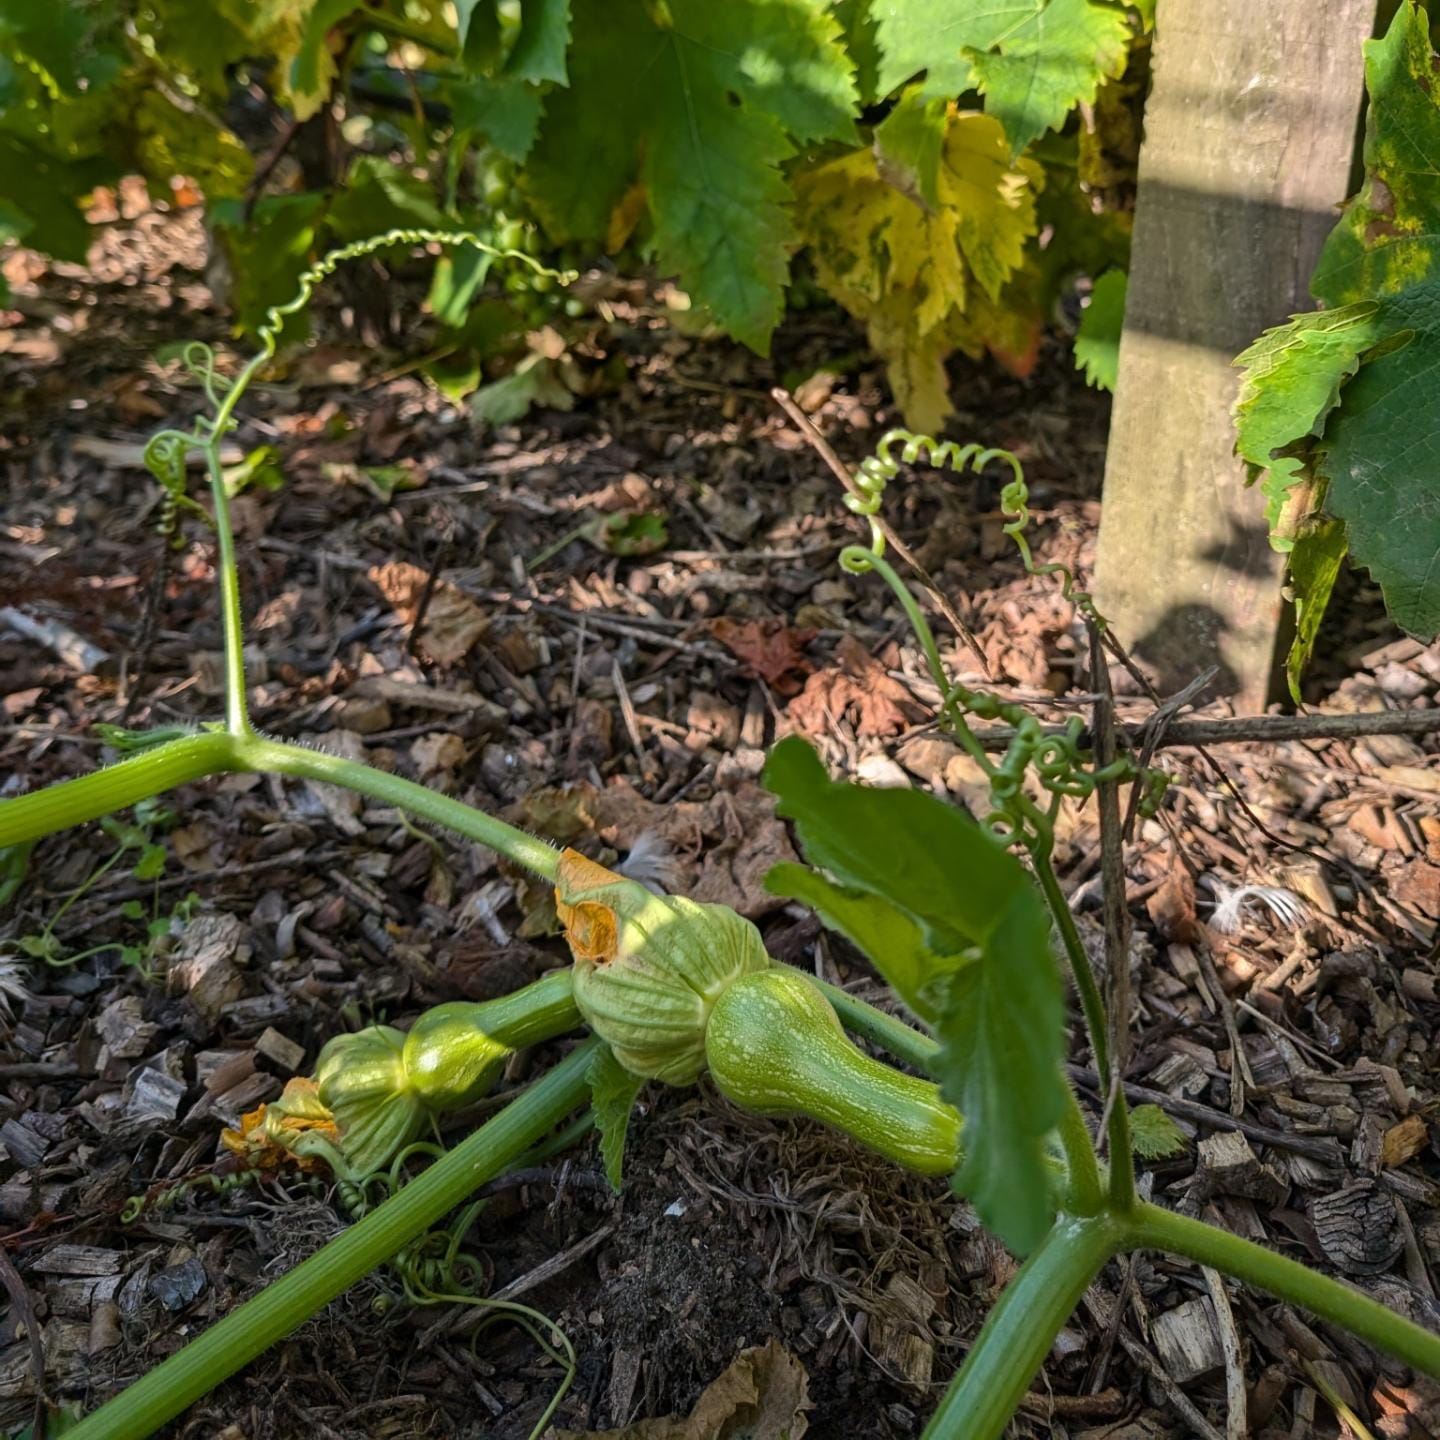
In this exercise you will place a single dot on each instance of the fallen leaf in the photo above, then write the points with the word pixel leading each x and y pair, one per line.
pixel 762 1395
pixel 858 689
pixel 1172 908
pixel 452 621
pixel 770 648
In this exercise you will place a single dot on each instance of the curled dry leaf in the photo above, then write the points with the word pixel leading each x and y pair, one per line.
pixel 452 621
pixel 856 689
pixel 771 649
pixel 1172 908
pixel 762 1395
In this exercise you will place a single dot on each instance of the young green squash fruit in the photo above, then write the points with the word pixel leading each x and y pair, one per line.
pixel 775 1046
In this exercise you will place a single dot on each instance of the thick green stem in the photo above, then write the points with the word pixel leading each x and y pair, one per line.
pixel 276 757
pixel 73 802
pixel 1087 1195
pixel 1150 1227
pixel 538 1011
pixel 889 1032
pixel 1012 1345
pixel 237 716
pixel 1122 1160
pixel 290 1301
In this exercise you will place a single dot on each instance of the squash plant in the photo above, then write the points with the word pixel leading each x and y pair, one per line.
pixel 953 919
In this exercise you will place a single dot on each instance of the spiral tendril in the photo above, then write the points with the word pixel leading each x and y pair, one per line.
pixel 1058 762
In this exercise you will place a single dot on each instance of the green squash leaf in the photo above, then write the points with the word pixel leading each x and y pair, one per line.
pixel 1000 1016
pixel 890 937
pixel 613 1092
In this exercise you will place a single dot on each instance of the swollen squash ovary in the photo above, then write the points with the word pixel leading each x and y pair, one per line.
pixel 775 1046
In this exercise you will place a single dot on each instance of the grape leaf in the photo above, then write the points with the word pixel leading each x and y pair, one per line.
pixel 924 280
pixel 1291 382
pixel 1381 443
pixel 505 111
pixel 266 255
pixel 1034 60
pixel 613 1092
pixel 379 195
pixel 909 142
pixel 1337 407
pixel 1316 555
pixel 539 50
pixel 312 71
pixel 999 1016
pixel 703 103
pixel 1097 342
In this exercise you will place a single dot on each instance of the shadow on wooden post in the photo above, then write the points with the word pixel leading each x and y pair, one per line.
pixel 1250 128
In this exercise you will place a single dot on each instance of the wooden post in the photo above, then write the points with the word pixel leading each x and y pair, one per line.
pixel 1249 132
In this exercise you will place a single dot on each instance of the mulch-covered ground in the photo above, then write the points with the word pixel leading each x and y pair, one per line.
pixel 623 703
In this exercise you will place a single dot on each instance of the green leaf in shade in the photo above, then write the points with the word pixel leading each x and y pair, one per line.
pixel 539 50
pixel 459 274
pixel 702 104
pixel 379 195
pixel 886 934
pixel 504 110
pixel 1380 451
pixel 613 1091
pixel 1000 1016
pixel 1097 342
pixel 1153 1134
pixel 1316 555
pixel 267 253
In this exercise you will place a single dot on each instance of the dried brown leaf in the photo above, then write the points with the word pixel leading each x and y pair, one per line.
pixel 769 647
pixel 762 1395
pixel 857 689
pixel 452 621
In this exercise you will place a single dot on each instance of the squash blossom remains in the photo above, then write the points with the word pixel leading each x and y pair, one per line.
pixel 649 968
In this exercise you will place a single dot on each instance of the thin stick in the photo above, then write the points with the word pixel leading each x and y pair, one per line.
pixel 821 446
pixel 1117 928
pixel 24 1311
pixel 1251 729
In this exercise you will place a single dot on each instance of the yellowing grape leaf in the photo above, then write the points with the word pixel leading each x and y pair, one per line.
pixel 925 278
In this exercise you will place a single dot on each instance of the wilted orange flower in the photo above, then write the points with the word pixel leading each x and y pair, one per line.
pixel 295 1129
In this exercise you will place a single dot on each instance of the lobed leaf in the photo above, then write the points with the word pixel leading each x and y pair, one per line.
pixel 959 924
pixel 926 278
pixel 703 104
pixel 1034 60
pixel 1339 406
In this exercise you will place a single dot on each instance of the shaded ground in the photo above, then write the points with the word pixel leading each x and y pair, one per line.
pixel 598 698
